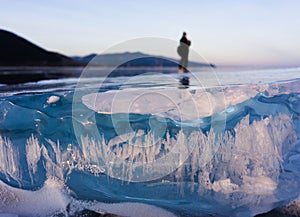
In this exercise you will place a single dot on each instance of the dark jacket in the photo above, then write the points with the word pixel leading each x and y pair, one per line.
pixel 184 40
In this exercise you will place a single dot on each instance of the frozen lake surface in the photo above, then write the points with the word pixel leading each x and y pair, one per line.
pixel 228 144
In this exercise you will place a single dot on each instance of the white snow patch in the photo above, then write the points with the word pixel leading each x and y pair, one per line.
pixel 225 186
pixel 53 99
pixel 261 185
pixel 133 210
pixel 52 198
pixel 45 201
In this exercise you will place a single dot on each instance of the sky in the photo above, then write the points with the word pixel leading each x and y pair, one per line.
pixel 224 32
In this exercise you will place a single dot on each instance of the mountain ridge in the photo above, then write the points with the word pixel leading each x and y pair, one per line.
pixel 133 59
pixel 18 51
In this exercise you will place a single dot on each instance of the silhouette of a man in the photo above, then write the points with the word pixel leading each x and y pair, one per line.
pixel 183 51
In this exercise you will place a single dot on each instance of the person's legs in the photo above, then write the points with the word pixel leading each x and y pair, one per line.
pixel 184 59
pixel 185 63
pixel 180 65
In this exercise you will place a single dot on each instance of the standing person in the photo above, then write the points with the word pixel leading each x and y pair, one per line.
pixel 183 51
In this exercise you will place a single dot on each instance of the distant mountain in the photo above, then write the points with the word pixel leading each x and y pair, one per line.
pixel 17 51
pixel 133 59
pixel 84 59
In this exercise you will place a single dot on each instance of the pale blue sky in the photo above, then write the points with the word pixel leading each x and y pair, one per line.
pixel 253 32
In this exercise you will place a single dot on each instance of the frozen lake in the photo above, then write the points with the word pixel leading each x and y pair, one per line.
pixel 227 144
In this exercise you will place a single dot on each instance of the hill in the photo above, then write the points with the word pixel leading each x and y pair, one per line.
pixel 17 51
pixel 136 59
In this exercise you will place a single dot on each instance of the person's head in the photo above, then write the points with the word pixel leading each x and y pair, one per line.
pixel 184 34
